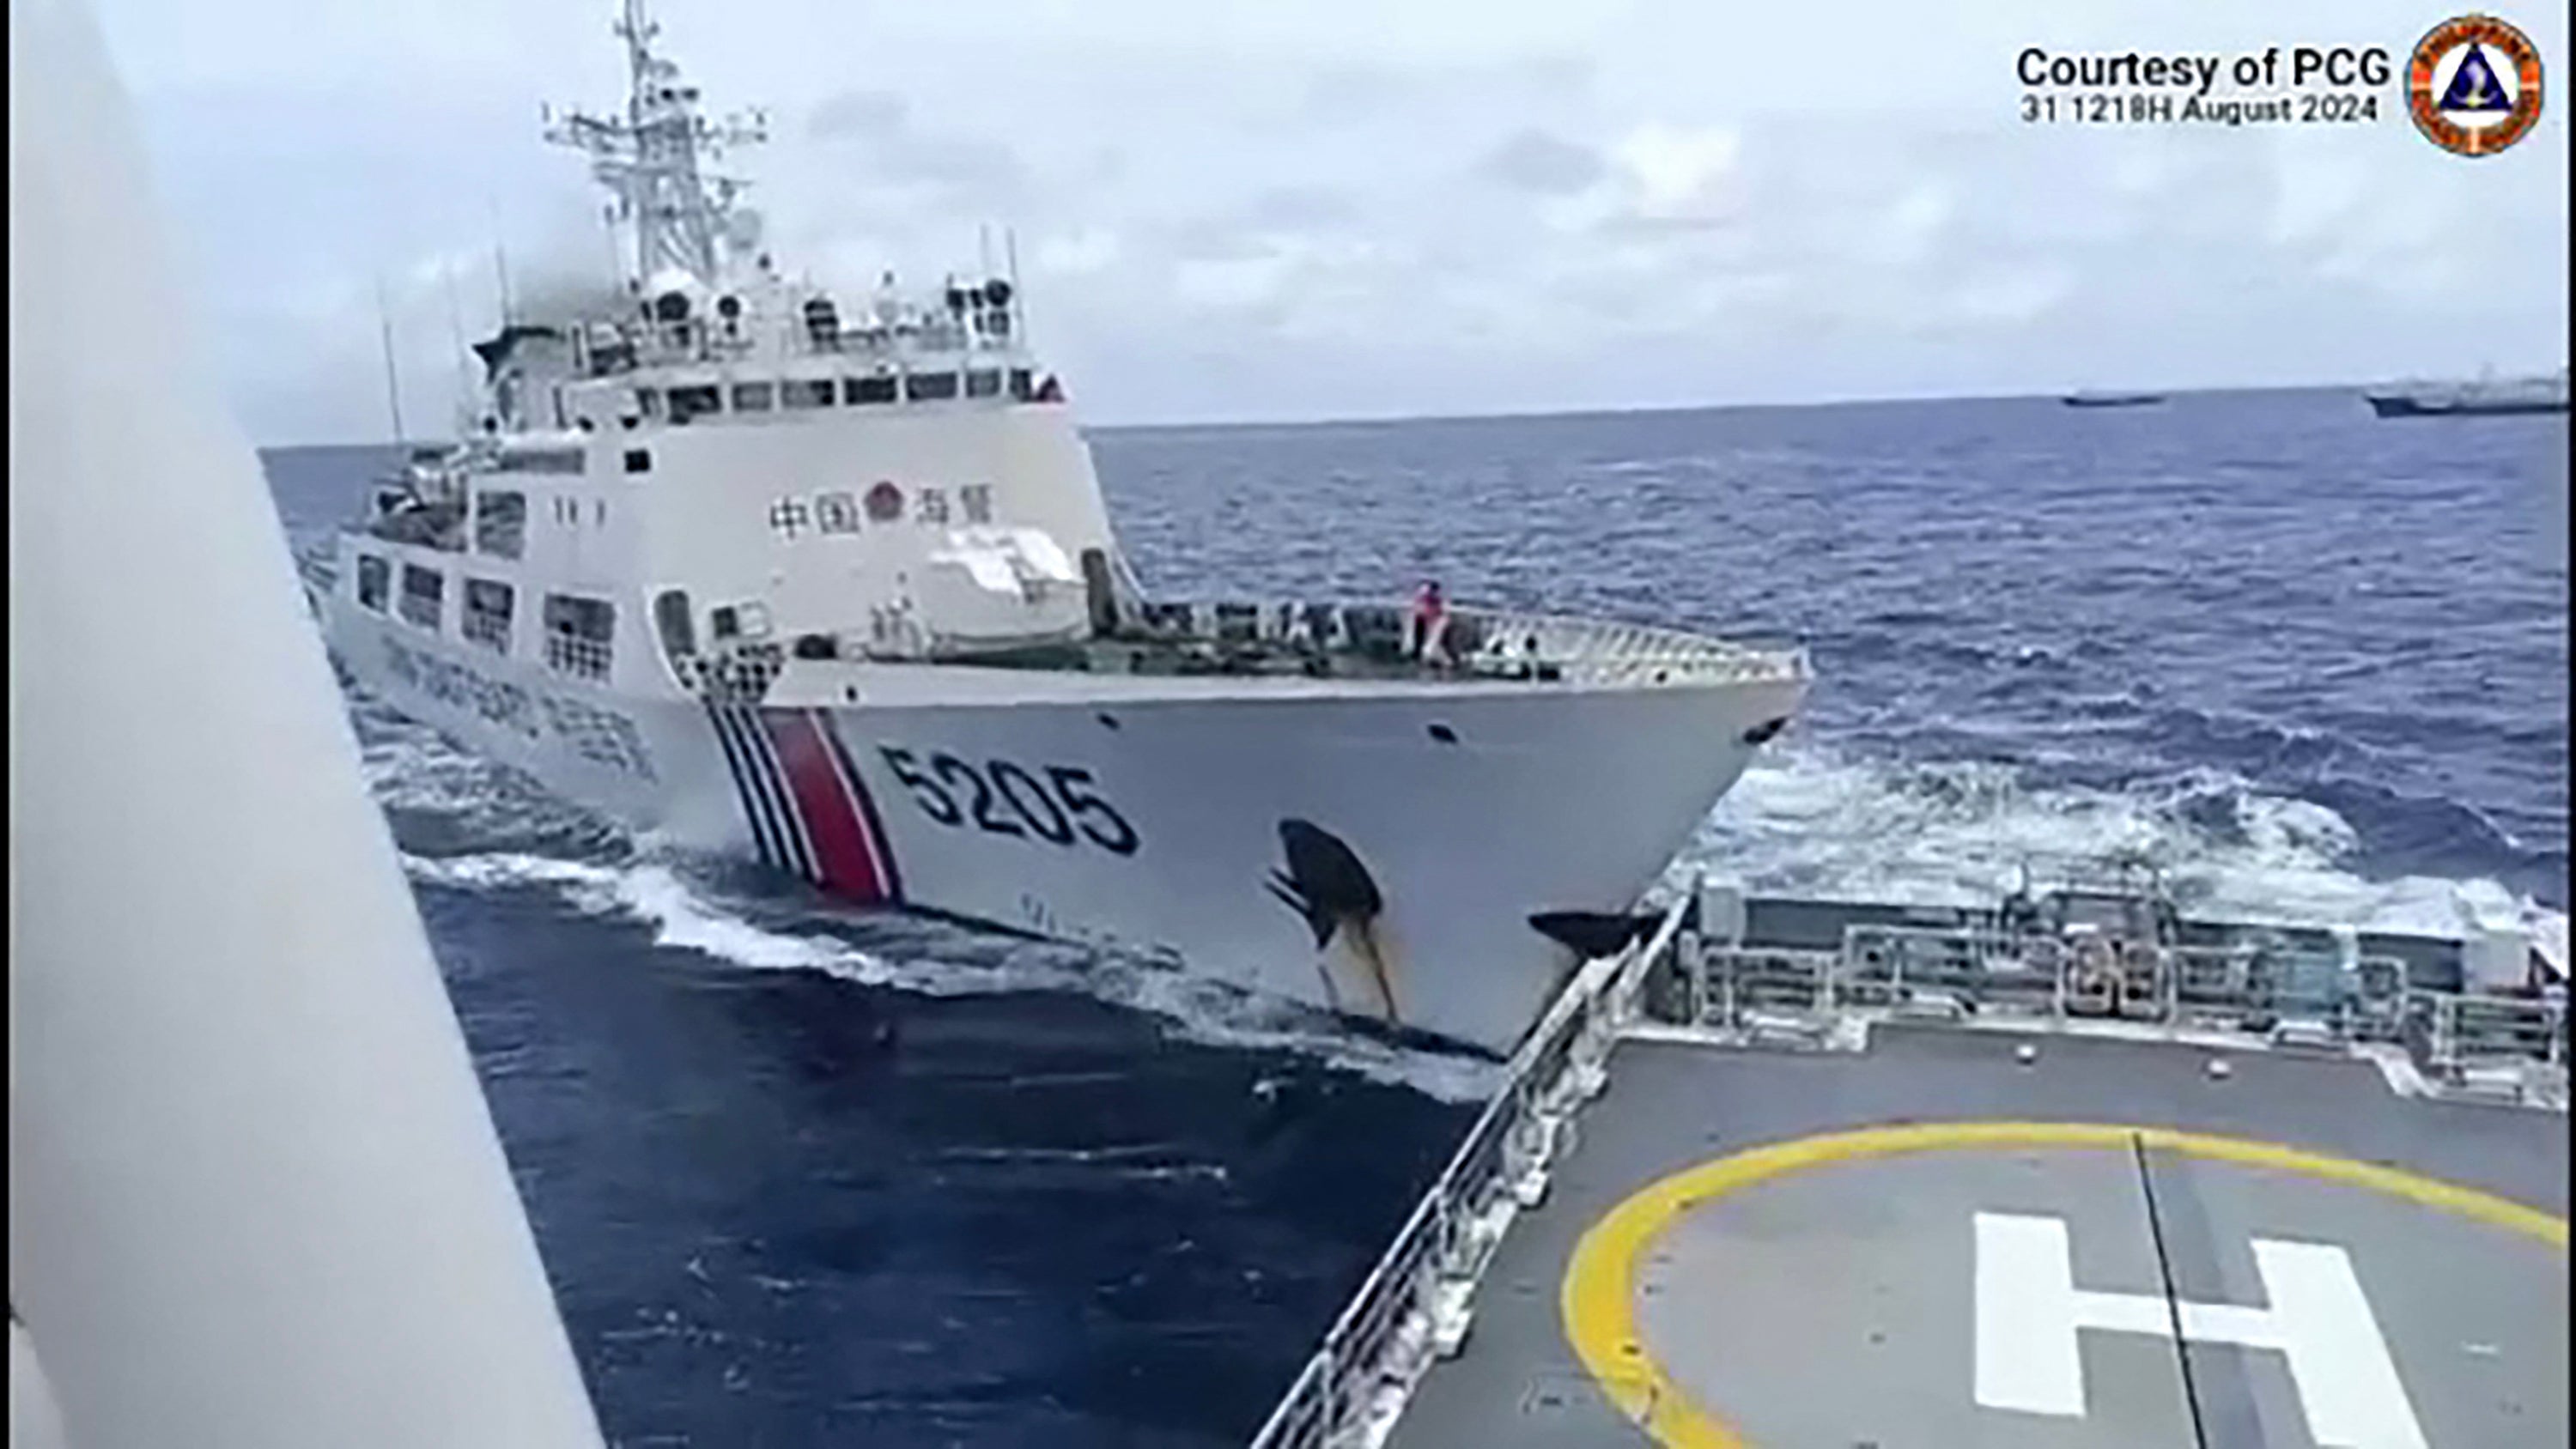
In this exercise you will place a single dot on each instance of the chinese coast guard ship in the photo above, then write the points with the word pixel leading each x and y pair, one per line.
pixel 829 581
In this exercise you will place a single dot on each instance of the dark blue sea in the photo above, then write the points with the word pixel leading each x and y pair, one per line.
pixel 804 1176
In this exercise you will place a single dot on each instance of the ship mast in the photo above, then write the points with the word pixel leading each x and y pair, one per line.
pixel 649 160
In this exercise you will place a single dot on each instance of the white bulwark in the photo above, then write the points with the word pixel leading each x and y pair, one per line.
pixel 827 579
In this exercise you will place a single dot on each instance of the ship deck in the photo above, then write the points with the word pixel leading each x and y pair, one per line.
pixel 1837 1300
pixel 1355 641
pixel 1796 1173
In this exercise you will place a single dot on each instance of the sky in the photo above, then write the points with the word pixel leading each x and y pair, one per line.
pixel 1348 208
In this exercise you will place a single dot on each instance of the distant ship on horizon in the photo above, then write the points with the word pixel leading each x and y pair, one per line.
pixel 2095 398
pixel 2486 396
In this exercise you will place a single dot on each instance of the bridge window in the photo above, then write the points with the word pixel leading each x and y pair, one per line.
pixel 375 580
pixel 488 606
pixel 868 389
pixel 752 397
pixel 579 632
pixel 1023 387
pixel 501 524
pixel 930 386
pixel 984 383
pixel 423 595
pixel 806 393
pixel 694 402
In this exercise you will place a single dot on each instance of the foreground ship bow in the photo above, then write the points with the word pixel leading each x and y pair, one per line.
pixel 830 583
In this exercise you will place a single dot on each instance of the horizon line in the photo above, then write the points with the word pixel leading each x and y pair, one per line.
pixel 1541 414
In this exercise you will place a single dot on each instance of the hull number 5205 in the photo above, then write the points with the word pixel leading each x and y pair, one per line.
pixel 1054 803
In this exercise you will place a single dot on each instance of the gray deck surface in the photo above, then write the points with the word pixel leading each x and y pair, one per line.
pixel 1834 1306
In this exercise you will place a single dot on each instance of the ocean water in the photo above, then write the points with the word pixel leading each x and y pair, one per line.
pixel 803 1175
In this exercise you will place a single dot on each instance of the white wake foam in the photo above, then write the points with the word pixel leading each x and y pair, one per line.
pixel 686 912
pixel 1808 820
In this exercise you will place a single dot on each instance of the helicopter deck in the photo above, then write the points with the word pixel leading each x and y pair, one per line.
pixel 1712 1206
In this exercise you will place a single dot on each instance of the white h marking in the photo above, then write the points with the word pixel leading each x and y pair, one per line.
pixel 2029 1309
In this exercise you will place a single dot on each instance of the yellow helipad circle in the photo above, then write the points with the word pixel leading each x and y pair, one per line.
pixel 1599 1298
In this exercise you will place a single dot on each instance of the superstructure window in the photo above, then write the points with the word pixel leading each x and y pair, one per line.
pixel 1023 387
pixel 738 621
pixel 671 617
pixel 984 383
pixel 488 605
pixel 501 524
pixel 648 402
pixel 424 594
pixel 542 460
pixel 694 402
pixel 930 386
pixel 806 392
pixel 752 397
pixel 639 460
pixel 868 390
pixel 579 632
pixel 375 580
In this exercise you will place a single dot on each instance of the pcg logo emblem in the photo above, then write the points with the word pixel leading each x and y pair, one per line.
pixel 2473 85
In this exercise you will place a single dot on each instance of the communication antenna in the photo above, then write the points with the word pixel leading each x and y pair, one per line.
pixel 456 335
pixel 500 261
pixel 393 384
pixel 1019 299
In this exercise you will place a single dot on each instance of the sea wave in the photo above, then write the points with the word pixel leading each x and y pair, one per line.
pixel 1812 819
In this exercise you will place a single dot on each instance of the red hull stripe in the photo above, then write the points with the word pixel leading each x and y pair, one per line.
pixel 845 854
pixel 880 845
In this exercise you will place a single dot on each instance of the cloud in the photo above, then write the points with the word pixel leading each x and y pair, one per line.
pixel 877 126
pixel 1078 253
pixel 861 114
pixel 1368 207
pixel 1533 160
pixel 1677 174
pixel 1301 207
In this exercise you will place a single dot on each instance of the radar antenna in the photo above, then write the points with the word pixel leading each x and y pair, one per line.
pixel 649 160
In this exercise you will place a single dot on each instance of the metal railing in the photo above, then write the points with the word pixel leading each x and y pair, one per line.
pixel 2514 1046
pixel 577 656
pixel 1412 1303
pixel 2509 1046
pixel 1490 643
pixel 1962 971
pixel 485 627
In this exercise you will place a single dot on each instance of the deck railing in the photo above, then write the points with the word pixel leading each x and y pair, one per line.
pixel 2514 1046
pixel 574 655
pixel 1477 641
pixel 1349 1392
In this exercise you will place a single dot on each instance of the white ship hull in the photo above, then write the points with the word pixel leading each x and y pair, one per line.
pixel 1153 815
